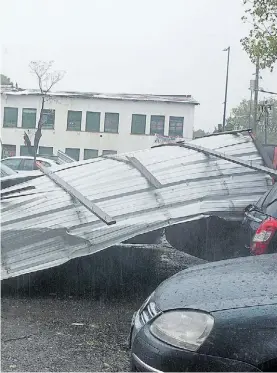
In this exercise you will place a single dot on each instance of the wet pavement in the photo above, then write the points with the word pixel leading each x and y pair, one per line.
pixel 77 333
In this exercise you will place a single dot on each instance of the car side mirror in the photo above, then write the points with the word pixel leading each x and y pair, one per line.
pixel 249 208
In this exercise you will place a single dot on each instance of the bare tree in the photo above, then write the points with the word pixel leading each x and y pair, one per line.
pixel 46 78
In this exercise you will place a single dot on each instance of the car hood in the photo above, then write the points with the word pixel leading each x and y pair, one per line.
pixel 227 284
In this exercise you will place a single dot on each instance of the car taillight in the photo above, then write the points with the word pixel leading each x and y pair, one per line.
pixel 263 236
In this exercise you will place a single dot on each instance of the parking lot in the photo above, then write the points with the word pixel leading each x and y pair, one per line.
pixel 86 332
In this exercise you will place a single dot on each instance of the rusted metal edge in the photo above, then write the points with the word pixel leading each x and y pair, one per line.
pixel 145 172
pixel 229 158
pixel 78 196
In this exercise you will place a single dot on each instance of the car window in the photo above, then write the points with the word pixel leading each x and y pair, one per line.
pixel 6 171
pixel 270 197
pixel 272 209
pixel 28 165
pixel 13 163
pixel 45 164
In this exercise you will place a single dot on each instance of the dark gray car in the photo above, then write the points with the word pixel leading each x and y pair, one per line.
pixel 215 317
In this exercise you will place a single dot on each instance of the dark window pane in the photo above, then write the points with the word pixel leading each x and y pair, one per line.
pixel 138 124
pixel 45 150
pixel 176 125
pixel 270 197
pixel 10 117
pixel 48 119
pixel 24 150
pixel 111 122
pixel 29 118
pixel 28 165
pixel 13 163
pixel 92 122
pixel 74 119
pixel 157 125
pixel 73 153
pixel 90 153
pixel 106 152
pixel 272 209
pixel 8 150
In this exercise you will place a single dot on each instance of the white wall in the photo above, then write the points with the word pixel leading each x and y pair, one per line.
pixel 60 138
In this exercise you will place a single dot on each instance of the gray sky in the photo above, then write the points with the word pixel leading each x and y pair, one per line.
pixel 136 46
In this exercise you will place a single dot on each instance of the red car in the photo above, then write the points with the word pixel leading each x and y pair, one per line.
pixel 260 222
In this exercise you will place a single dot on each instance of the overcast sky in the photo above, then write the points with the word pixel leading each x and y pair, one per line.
pixel 134 46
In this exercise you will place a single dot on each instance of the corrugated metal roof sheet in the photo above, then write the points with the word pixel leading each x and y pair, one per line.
pixel 185 99
pixel 42 226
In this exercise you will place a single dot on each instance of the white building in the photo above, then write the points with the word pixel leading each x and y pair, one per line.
pixel 86 125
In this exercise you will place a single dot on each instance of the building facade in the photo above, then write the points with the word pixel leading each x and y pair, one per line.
pixel 87 125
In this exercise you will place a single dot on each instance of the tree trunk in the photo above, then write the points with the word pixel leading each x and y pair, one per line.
pixel 38 133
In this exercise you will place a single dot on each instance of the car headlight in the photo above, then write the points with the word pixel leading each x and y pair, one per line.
pixel 184 329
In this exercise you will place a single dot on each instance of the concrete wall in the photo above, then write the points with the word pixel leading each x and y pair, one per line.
pixel 59 138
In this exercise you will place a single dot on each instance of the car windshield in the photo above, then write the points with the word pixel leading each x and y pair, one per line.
pixel 139 185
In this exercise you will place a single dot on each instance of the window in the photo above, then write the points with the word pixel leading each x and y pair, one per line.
pixel 272 209
pixel 92 122
pixel 45 164
pixel 45 150
pixel 48 119
pixel 157 125
pixel 106 152
pixel 138 124
pixel 28 165
pixel 29 118
pixel 90 153
pixel 74 119
pixel 24 150
pixel 270 197
pixel 111 122
pixel 13 163
pixel 10 117
pixel 73 153
pixel 176 125
pixel 8 150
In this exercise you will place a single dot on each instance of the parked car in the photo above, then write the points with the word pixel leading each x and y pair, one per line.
pixel 26 163
pixel 260 224
pixel 215 317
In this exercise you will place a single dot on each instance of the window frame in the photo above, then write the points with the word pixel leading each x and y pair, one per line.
pixel 151 124
pixel 70 155
pixel 25 147
pixel 13 108
pixel 71 129
pixel 98 120
pixel 22 122
pixel 86 150
pixel 109 152
pixel 10 155
pixel 133 124
pixel 48 147
pixel 107 130
pixel 172 118
pixel 54 116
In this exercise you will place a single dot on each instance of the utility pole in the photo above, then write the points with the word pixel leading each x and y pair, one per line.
pixel 256 94
pixel 226 87
pixel 265 107
pixel 252 89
